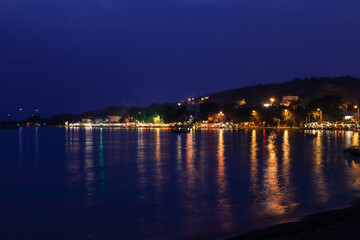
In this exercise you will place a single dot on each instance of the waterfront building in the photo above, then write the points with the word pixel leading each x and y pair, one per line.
pixel 287 100
pixel 114 119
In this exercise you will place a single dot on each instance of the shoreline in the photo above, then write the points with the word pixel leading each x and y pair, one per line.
pixel 333 224
pixel 209 128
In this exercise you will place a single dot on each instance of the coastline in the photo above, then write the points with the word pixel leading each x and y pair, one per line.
pixel 343 223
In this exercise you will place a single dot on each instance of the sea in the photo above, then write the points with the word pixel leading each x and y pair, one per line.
pixel 108 183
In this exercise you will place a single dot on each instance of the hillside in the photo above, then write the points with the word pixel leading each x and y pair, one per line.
pixel 348 88
pixel 307 89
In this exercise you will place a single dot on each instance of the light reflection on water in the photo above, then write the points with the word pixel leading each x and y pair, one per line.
pixel 190 168
pixel 319 182
pixel 224 206
pixel 158 162
pixel 254 162
pixel 154 184
pixel 140 158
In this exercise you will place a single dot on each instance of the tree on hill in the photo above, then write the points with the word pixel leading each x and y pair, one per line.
pixel 209 107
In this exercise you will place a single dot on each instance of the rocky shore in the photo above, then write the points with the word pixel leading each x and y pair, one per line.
pixel 333 224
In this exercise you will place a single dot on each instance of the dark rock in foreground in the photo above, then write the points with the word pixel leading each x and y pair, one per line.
pixel 333 224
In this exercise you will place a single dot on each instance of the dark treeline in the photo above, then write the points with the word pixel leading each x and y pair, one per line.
pixel 329 108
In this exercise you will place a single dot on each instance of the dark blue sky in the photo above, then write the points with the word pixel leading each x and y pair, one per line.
pixel 76 55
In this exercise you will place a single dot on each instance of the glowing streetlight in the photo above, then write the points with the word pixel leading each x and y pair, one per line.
pixel 356 107
pixel 254 115
pixel 286 114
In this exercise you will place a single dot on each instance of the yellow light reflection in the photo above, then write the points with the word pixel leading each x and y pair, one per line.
pixel 278 194
pixel 253 162
pixel 286 159
pixel 354 175
pixel 190 168
pixel 318 172
pixel 221 163
pixel 224 206
pixel 271 182
pixel 355 139
pixel 348 138
pixel 158 167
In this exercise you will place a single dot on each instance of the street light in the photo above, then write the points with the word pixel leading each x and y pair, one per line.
pixel 254 114
pixel 272 100
pixel 286 114
pixel 356 107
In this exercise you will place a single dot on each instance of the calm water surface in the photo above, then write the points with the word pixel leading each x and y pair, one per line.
pixel 59 183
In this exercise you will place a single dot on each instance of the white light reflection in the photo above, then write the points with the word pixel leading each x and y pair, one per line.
pixel 101 161
pixel 89 166
pixel 179 153
pixel 72 151
pixel 140 158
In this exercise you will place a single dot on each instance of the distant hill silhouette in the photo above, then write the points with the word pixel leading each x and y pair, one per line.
pixel 103 113
pixel 307 89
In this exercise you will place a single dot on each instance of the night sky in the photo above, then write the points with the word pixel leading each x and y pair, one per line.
pixel 77 55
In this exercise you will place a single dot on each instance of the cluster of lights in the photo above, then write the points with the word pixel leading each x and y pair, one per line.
pixel 192 100
pixel 272 100
pixel 204 98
